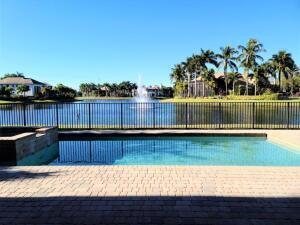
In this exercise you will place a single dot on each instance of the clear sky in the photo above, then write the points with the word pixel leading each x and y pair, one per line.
pixel 70 41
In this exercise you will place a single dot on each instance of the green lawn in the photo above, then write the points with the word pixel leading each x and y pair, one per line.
pixel 222 100
pixel 102 98
pixel 33 101
pixel 3 102
pixel 182 100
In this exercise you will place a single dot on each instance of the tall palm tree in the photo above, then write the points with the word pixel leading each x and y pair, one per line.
pixel 108 88
pixel 227 60
pixel 208 77
pixel 209 57
pixel 294 73
pixel 18 74
pixel 206 57
pixel 198 62
pixel 177 74
pixel 189 67
pixel 258 73
pixel 284 66
pixel 249 57
pixel 83 88
pixel 262 75
pixel 233 77
pixel 296 79
pixel 178 77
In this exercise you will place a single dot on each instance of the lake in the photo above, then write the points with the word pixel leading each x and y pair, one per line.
pixel 118 114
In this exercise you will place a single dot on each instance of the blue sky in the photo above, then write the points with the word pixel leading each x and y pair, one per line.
pixel 97 41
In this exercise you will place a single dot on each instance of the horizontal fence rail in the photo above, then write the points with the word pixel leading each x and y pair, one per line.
pixel 204 115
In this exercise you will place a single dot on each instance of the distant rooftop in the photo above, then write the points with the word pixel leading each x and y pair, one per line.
pixel 21 80
pixel 153 87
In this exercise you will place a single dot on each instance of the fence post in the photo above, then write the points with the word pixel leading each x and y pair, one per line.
pixel 153 107
pixel 24 115
pixel 253 115
pixel 122 115
pixel 90 121
pixel 186 115
pixel 288 115
pixel 57 115
pixel 220 114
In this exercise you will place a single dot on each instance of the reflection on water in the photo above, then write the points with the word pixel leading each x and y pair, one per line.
pixel 154 114
pixel 176 151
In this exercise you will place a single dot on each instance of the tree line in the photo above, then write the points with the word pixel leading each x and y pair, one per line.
pixel 281 67
pixel 122 89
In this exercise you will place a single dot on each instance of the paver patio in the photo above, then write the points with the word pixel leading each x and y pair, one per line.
pixel 149 195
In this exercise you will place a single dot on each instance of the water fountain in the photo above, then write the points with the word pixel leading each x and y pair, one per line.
pixel 141 93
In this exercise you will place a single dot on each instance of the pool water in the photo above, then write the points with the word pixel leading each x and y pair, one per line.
pixel 241 151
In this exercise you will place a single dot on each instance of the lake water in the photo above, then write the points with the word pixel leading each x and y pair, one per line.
pixel 129 114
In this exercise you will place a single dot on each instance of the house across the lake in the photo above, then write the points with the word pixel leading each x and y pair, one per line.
pixel 35 86
pixel 200 87
pixel 152 91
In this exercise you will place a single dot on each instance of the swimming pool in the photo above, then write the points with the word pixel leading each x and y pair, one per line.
pixel 155 150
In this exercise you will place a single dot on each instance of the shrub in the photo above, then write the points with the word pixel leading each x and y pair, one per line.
pixel 252 97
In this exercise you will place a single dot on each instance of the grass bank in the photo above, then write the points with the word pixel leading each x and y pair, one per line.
pixel 35 101
pixel 224 100
pixel 102 98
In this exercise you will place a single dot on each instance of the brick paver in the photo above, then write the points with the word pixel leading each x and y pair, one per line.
pixel 149 195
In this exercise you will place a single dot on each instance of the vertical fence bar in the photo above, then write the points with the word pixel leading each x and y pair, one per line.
pixel 153 107
pixel 186 115
pixel 57 123
pixel 288 115
pixel 121 112
pixel 24 114
pixel 90 119
pixel 253 115
pixel 220 115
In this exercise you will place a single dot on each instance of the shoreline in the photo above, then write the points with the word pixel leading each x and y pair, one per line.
pixel 162 100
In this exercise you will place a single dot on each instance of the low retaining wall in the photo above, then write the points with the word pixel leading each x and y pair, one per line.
pixel 19 146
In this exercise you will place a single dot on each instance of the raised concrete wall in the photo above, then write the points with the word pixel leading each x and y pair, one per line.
pixel 15 148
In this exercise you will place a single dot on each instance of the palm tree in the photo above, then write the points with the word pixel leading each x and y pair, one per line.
pixel 17 74
pixel 177 74
pixel 208 77
pixel 233 77
pixel 284 66
pixel 189 67
pixel 296 79
pixel 258 72
pixel 107 87
pixel 83 88
pixel 294 73
pixel 249 57
pixel 227 60
pixel 198 64
pixel 209 57
pixel 206 56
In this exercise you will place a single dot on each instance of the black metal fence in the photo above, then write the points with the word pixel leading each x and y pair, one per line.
pixel 204 115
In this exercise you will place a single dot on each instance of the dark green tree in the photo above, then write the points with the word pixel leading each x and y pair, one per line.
pixel 227 61
pixel 249 57
pixel 22 89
